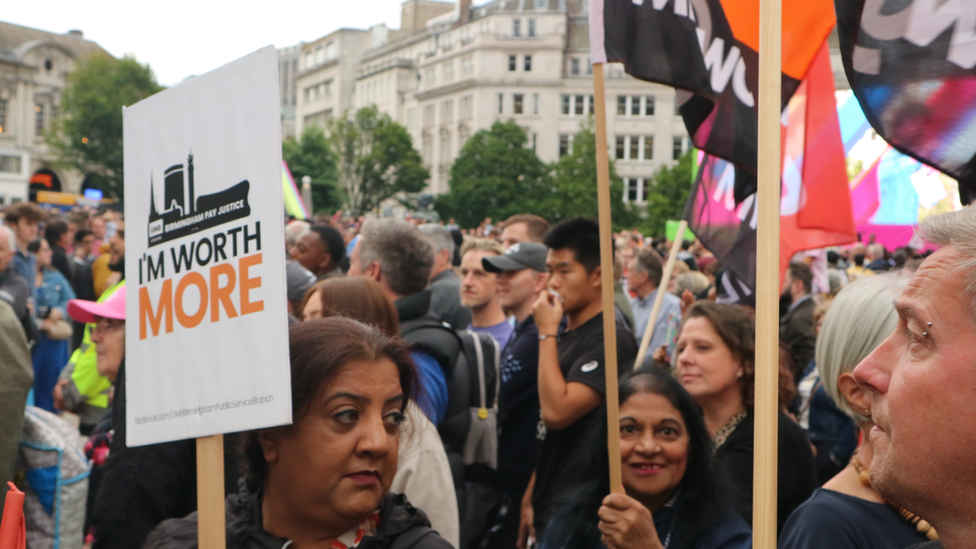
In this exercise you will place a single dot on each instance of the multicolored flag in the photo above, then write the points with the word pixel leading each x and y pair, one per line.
pixel 815 208
pixel 708 48
pixel 912 66
pixel 294 205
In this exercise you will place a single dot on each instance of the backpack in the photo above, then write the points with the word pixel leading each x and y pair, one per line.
pixel 469 429
pixel 55 474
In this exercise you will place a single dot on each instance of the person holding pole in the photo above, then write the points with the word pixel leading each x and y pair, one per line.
pixel 643 278
pixel 324 480
pixel 716 365
pixel 921 383
pixel 572 382
pixel 673 498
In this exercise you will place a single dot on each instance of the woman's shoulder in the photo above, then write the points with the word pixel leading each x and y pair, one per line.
pixel 51 274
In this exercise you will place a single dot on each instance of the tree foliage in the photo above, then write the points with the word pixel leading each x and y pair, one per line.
pixel 668 194
pixel 311 155
pixel 88 135
pixel 574 185
pixel 375 159
pixel 495 176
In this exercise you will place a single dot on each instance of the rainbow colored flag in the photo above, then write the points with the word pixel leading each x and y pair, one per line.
pixel 294 205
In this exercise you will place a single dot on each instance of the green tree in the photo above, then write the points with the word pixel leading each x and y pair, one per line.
pixel 668 194
pixel 495 176
pixel 88 135
pixel 375 159
pixel 310 155
pixel 574 185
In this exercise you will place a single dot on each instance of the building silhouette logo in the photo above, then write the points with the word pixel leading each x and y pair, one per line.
pixel 184 214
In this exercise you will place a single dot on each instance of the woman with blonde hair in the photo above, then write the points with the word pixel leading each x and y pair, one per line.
pixel 847 512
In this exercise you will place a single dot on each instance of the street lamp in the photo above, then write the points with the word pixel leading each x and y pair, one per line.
pixel 307 193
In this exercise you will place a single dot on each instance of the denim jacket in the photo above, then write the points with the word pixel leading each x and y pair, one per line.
pixel 54 292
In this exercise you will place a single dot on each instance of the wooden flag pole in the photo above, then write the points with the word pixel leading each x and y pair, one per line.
pixel 606 269
pixel 659 297
pixel 212 532
pixel 767 275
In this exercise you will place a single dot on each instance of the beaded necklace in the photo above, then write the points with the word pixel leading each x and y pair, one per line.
pixel 723 434
pixel 919 523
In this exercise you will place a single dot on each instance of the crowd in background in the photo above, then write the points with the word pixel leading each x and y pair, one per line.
pixel 479 353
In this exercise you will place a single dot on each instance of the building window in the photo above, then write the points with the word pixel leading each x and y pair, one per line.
pixel 330 50
pixel 449 71
pixel 540 5
pixel 621 148
pixel 9 163
pixel 512 63
pixel 531 28
pixel 621 105
pixel 565 144
pixel 309 60
pixel 535 103
pixel 633 189
pixel 528 63
pixel 574 66
pixel 579 105
pixel 501 103
pixel 516 27
pixel 589 66
pixel 635 105
pixel 517 103
pixel 465 108
pixel 319 55
pixel 467 66
pixel 649 147
pixel 3 114
pixel 677 148
pixel 535 138
pixel 634 148
pixel 447 111
pixel 648 105
pixel 590 110
pixel 428 116
pixel 564 102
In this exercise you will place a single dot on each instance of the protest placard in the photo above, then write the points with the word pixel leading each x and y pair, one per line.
pixel 206 330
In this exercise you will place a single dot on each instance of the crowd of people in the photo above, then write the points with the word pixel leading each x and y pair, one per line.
pixel 448 390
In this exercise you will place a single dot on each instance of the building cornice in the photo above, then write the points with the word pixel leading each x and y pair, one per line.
pixel 470 83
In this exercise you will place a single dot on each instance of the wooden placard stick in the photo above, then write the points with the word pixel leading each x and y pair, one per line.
pixel 606 269
pixel 767 276
pixel 659 297
pixel 212 532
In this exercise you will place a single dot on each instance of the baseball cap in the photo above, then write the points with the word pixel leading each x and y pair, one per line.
pixel 520 256
pixel 83 310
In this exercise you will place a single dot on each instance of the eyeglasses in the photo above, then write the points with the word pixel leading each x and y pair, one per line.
pixel 107 325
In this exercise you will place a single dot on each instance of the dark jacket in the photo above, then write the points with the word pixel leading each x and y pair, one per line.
pixel 402 526
pixel 445 300
pixel 796 330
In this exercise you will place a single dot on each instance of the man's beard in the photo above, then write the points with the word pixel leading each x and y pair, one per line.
pixel 118 266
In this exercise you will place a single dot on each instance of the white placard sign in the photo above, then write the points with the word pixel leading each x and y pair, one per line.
pixel 206 321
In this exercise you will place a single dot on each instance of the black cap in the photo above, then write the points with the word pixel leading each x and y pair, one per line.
pixel 520 256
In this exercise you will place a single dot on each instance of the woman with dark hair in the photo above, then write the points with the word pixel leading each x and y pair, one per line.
pixel 716 364
pixel 673 499
pixel 52 291
pixel 324 480
pixel 423 471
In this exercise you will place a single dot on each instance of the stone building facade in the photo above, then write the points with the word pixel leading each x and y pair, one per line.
pixel 34 65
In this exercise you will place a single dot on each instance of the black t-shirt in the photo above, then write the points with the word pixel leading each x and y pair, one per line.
pixel 831 520
pixel 518 409
pixel 581 360
pixel 797 474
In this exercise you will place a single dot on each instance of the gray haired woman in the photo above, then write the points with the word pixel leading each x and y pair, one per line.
pixel 847 512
